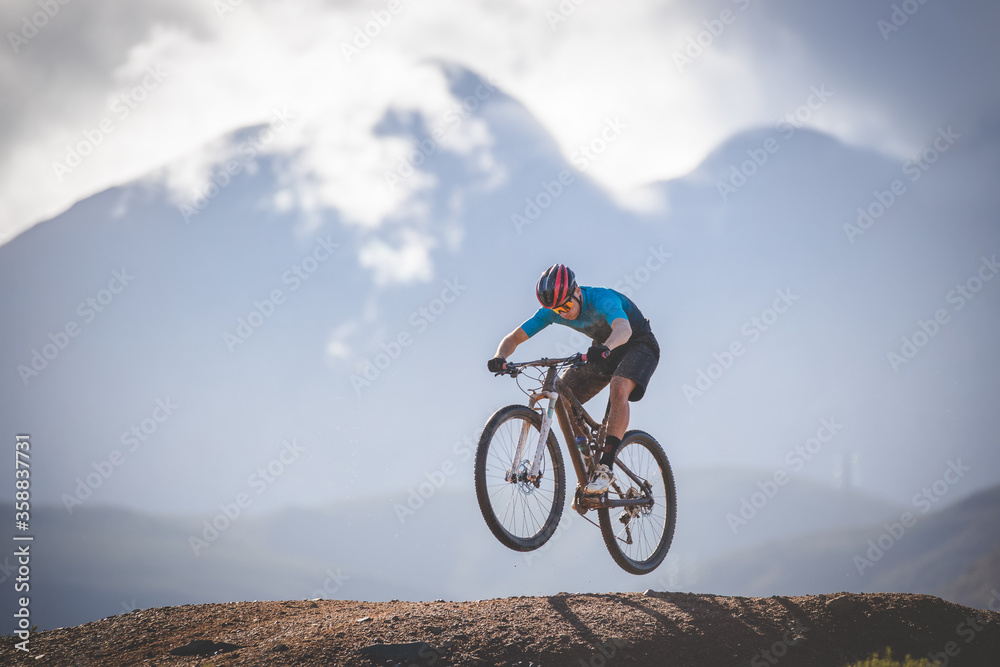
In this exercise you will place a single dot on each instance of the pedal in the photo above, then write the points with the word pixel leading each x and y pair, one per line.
pixel 583 502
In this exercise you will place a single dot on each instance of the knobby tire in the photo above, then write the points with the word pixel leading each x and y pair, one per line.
pixel 652 531
pixel 523 517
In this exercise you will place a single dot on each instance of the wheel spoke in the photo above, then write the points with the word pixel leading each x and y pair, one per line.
pixel 520 514
pixel 651 528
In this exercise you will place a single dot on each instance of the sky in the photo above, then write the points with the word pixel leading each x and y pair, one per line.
pixel 101 94
pixel 119 121
pixel 148 87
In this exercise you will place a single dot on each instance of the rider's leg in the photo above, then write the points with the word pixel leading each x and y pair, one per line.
pixel 621 389
pixel 585 382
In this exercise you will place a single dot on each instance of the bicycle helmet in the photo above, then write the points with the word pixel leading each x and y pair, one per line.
pixel 556 286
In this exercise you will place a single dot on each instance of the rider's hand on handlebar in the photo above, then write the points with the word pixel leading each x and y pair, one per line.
pixel 496 365
pixel 598 352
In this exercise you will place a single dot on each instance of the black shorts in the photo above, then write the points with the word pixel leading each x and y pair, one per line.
pixel 635 360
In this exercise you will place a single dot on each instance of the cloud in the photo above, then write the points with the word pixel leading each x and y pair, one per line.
pixel 409 261
pixel 682 75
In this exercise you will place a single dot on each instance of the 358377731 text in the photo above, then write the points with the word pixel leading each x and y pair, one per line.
pixel 22 548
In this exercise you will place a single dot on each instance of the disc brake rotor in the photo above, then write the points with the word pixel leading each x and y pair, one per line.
pixel 520 477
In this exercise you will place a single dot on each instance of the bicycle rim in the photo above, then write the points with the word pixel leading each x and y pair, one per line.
pixel 522 514
pixel 639 538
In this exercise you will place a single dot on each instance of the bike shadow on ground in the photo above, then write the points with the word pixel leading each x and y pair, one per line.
pixel 560 603
pixel 749 627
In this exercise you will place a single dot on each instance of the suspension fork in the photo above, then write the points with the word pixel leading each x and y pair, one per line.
pixel 548 391
pixel 543 435
pixel 561 405
pixel 522 440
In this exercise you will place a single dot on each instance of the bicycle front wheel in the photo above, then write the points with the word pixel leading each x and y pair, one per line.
pixel 521 513
pixel 639 536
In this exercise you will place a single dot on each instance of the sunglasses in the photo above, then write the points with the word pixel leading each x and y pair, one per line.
pixel 564 308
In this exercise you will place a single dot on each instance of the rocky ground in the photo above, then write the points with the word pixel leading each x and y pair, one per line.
pixel 675 629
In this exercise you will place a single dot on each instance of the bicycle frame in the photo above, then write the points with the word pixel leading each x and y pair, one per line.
pixel 561 398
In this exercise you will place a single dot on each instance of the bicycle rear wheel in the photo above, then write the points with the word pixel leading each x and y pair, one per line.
pixel 638 537
pixel 522 514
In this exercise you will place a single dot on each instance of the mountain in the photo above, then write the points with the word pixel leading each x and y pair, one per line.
pixel 731 509
pixel 324 364
pixel 315 372
pixel 977 583
pixel 103 560
pixel 950 552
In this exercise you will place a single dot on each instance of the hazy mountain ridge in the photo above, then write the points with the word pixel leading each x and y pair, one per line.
pixel 945 552
pixel 111 560
pixel 164 337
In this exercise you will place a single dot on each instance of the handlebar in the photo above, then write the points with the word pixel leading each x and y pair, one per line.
pixel 514 369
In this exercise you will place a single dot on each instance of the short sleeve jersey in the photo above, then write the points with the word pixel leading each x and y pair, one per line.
pixel 599 307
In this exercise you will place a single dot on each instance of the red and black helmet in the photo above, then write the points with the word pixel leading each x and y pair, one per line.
pixel 556 286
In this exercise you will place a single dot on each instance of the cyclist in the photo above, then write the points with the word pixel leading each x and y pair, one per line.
pixel 624 353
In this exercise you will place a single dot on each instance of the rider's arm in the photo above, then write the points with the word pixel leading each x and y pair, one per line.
pixel 621 331
pixel 511 341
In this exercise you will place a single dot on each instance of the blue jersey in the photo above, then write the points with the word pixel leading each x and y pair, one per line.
pixel 599 307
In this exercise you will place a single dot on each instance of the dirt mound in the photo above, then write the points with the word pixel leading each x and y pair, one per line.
pixel 676 629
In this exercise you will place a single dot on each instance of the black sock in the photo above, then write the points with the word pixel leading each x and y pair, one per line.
pixel 611 445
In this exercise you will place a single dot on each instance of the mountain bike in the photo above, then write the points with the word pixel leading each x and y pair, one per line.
pixel 521 479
